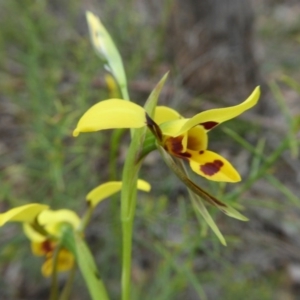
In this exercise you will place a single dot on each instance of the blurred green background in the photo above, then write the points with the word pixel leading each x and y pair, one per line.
pixel 49 75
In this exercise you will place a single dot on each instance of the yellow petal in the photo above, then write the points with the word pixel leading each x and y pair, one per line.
pixel 24 213
pixel 197 139
pixel 213 166
pixel 43 248
pixel 32 234
pixel 143 185
pixel 109 114
pixel 107 189
pixel 65 262
pixel 53 219
pixel 164 114
pixel 211 118
pixel 171 128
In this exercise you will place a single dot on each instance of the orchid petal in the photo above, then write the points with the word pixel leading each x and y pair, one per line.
pixel 105 190
pixel 32 234
pixel 176 145
pixel 213 166
pixel 171 128
pixel 110 114
pixel 42 248
pixel 24 213
pixel 211 118
pixel 197 139
pixel 65 261
pixel 52 220
pixel 164 114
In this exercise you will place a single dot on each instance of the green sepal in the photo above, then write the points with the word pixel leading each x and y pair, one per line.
pixel 151 102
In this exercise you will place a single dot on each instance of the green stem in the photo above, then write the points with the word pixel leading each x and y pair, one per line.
pixel 126 262
pixel 113 153
pixel 54 284
pixel 68 286
pixel 128 204
pixel 129 189
pixel 86 218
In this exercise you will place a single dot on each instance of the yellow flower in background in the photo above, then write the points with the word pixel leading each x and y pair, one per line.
pixel 45 227
pixel 47 243
pixel 185 138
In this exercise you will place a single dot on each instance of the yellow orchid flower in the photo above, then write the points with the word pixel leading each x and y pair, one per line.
pixel 185 138
pixel 43 228
pixel 46 244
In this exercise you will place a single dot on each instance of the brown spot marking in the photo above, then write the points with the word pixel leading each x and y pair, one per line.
pixel 184 155
pixel 201 152
pixel 209 125
pixel 212 168
pixel 174 145
pixel 47 246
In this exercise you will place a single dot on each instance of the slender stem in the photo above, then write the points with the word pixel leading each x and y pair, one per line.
pixel 113 153
pixel 68 286
pixel 128 204
pixel 54 283
pixel 126 262
pixel 86 218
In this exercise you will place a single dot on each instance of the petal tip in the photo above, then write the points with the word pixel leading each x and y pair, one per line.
pixel 76 132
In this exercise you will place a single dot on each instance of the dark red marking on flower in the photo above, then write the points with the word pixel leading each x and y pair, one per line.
pixel 154 128
pixel 212 168
pixel 209 125
pixel 201 152
pixel 47 246
pixel 174 144
pixel 185 154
